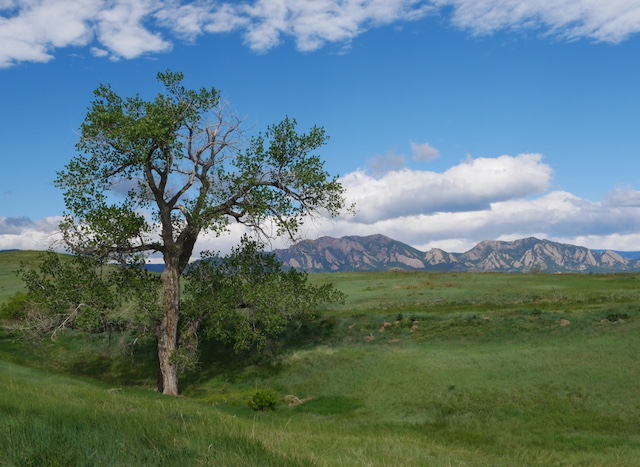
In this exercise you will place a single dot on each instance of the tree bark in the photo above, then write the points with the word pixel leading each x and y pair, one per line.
pixel 168 330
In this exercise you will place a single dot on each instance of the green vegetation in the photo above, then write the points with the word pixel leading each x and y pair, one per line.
pixel 189 168
pixel 9 264
pixel 264 400
pixel 415 369
pixel 52 420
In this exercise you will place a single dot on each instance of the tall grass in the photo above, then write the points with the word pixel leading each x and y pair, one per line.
pixel 52 420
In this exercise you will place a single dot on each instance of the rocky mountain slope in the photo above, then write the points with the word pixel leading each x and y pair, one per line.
pixel 380 253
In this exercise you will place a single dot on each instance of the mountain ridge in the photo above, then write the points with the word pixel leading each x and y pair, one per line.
pixel 380 253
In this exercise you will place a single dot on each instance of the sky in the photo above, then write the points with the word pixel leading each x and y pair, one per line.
pixel 450 121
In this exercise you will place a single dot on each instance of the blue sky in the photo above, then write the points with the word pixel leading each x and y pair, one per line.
pixel 451 121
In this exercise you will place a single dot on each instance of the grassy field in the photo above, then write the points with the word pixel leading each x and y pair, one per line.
pixel 9 264
pixel 470 370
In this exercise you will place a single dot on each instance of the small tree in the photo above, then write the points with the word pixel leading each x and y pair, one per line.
pixel 151 176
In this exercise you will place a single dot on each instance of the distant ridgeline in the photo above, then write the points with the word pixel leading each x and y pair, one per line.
pixel 380 253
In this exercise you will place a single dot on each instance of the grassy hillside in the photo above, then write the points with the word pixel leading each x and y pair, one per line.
pixel 471 370
pixel 49 419
pixel 9 264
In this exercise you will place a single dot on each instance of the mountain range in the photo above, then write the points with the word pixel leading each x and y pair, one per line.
pixel 381 253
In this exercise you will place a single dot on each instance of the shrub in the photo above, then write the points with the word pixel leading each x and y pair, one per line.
pixel 263 400
pixel 15 307
pixel 613 317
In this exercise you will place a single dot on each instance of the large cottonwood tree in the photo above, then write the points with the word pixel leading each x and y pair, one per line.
pixel 151 176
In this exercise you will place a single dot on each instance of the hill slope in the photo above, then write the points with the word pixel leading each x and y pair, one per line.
pixel 10 261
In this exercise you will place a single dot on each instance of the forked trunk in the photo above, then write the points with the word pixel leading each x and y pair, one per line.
pixel 168 330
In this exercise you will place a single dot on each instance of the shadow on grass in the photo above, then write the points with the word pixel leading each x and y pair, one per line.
pixel 332 405
pixel 112 358
pixel 219 358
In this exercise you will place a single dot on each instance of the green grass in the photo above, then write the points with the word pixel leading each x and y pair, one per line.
pixel 566 400
pixel 488 376
pixel 52 420
pixel 431 292
pixel 10 261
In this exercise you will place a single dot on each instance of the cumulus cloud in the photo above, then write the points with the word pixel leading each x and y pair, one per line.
pixel 502 198
pixel 120 29
pixel 556 215
pixel 470 186
pixel 23 233
pixel 32 30
pixel 17 225
pixel 312 23
pixel 624 196
pixel 27 32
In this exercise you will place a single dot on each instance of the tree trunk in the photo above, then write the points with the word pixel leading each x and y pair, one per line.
pixel 168 330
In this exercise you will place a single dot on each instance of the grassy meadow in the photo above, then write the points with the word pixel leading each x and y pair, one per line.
pixel 9 264
pixel 415 369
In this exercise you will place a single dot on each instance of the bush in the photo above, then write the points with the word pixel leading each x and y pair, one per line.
pixel 613 317
pixel 263 400
pixel 15 307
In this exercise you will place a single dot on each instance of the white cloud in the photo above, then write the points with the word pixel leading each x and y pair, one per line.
pixel 557 216
pixel 23 233
pixel 36 28
pixel 502 198
pixel 98 52
pixel 507 212
pixel 312 23
pixel 619 242
pixel 470 186
pixel 608 21
pixel 32 30
pixel 120 29
pixel 624 196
